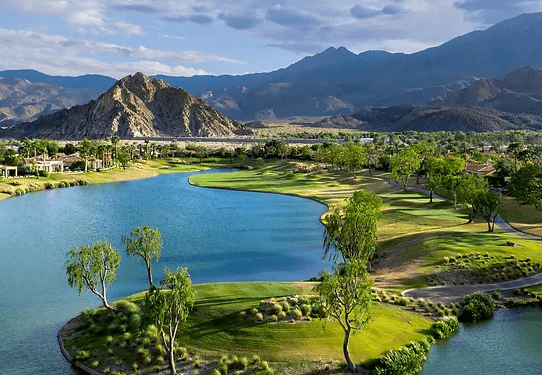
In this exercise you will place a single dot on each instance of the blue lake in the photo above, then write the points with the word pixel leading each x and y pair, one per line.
pixel 220 235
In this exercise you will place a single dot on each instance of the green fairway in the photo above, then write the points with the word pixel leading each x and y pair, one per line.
pixel 214 327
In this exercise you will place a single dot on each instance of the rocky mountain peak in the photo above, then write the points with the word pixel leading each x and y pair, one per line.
pixel 135 106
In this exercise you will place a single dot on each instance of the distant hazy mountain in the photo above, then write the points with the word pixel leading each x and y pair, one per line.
pixel 339 81
pixel 87 81
pixel 518 92
pixel 134 107
pixel 23 100
pixel 441 118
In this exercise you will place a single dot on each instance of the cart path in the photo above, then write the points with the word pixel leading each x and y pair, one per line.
pixel 456 293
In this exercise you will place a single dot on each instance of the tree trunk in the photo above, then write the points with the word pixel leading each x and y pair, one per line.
pixel 171 357
pixel 349 363
pixel 149 275
pixel 431 196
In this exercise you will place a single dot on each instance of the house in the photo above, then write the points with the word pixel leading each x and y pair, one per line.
pixel 8 171
pixel 46 165
pixel 482 169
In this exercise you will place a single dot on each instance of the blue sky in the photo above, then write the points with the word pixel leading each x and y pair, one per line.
pixel 187 37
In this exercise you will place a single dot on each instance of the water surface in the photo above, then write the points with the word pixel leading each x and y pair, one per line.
pixel 510 343
pixel 221 235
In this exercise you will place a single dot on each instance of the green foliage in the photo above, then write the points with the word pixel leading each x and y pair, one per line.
pixel 82 355
pixel 146 243
pixel 407 360
pixel 167 308
pixel 403 165
pixel 526 185
pixel 442 329
pixel 346 297
pixel 477 307
pixel 351 232
pixel 93 267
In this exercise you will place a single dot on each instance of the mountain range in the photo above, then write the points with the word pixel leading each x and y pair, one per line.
pixel 134 106
pixel 336 81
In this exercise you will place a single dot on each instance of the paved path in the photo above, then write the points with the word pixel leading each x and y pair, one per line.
pixel 499 221
pixel 456 293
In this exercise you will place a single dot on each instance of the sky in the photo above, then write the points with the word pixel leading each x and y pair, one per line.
pixel 188 37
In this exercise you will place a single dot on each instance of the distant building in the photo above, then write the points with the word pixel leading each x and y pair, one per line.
pixel 481 169
pixel 8 171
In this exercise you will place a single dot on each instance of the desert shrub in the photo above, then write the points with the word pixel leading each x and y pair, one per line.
pixel 159 350
pixel 223 368
pixel 134 322
pixel 273 318
pixel 82 355
pixel 242 315
pixel 285 306
pixel 496 294
pixel 106 370
pixel 296 313
pixel 254 311
pixel 197 362
pixel 402 301
pixel 305 309
pixel 94 364
pixel 444 328
pixel 258 317
pixel 215 372
pixel 49 185
pixel 476 307
pixel 282 315
pixel 19 192
pixel 406 360
pixel 135 366
pixel 43 173
pixel 276 309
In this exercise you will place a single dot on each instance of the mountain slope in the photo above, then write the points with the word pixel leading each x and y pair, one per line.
pixel 442 118
pixel 518 92
pixel 134 107
pixel 376 78
pixel 22 100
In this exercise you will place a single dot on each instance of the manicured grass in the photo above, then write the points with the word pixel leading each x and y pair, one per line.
pixel 524 218
pixel 214 328
pixel 138 170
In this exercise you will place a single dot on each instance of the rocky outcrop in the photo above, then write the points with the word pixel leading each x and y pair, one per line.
pixel 134 107
pixel 442 118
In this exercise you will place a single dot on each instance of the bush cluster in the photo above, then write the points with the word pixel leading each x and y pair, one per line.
pixel 444 328
pixel 406 360
pixel 476 307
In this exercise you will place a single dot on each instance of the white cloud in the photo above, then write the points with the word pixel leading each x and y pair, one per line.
pixel 54 53
pixel 87 12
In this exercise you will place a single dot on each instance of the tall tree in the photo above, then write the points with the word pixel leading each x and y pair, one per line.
pixel 526 185
pixel 351 232
pixel 355 156
pixel 146 243
pixel 403 165
pixel 490 207
pixel 346 297
pixel 115 141
pixel 168 308
pixel 470 187
pixel 93 267
pixel 424 152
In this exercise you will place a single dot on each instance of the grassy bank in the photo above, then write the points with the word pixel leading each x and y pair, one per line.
pixel 414 235
pixel 143 169
pixel 214 329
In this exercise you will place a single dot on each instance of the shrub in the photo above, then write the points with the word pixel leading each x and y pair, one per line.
pixel 94 364
pixel 305 309
pixel 444 328
pixel 242 315
pixel 406 360
pixel 215 372
pixel 476 307
pixel 297 314
pixel 285 306
pixel 282 315
pixel 277 309
pixel 254 311
pixel 273 318
pixel 496 294
pixel 106 370
pixel 197 362
pixel 402 301
pixel 49 185
pixel 19 192
pixel 223 368
pixel 82 355
pixel 259 317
